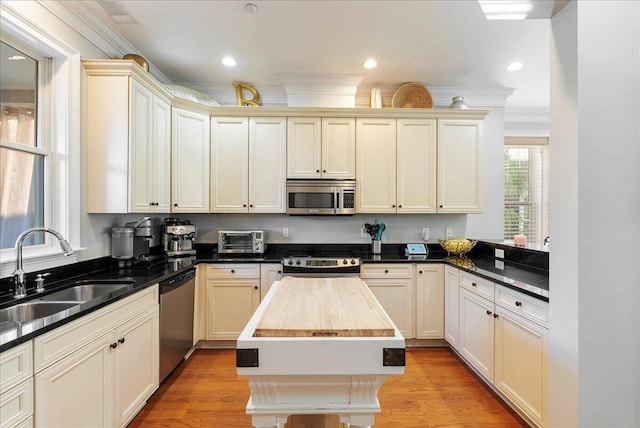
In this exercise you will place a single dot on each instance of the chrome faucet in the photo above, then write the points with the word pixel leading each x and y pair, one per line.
pixel 19 275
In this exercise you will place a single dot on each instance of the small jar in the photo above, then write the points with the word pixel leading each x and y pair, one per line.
pixel 458 103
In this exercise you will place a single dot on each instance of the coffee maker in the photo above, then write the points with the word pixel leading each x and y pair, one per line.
pixel 130 244
pixel 179 237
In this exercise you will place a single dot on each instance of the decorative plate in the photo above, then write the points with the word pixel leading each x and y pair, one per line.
pixel 191 95
pixel 412 95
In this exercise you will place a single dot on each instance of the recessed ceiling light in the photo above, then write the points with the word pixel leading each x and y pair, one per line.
pixel 506 9
pixel 16 58
pixel 515 66
pixel 228 61
pixel 370 63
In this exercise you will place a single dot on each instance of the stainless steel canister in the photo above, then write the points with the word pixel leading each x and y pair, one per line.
pixel 122 242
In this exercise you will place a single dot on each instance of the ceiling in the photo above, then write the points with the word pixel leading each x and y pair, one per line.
pixel 438 43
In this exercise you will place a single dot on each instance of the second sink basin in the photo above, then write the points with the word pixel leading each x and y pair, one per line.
pixel 85 292
pixel 30 311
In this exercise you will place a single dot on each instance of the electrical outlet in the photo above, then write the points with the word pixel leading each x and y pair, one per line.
pixel 285 232
pixel 448 232
pixel 363 232
pixel 425 233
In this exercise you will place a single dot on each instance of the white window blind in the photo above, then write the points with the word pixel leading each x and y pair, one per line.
pixel 526 188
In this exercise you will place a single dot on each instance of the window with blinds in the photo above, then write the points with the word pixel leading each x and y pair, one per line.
pixel 526 188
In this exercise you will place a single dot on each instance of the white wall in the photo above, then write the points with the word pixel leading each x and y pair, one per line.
pixel 595 192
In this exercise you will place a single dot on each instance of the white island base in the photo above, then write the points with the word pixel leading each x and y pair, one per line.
pixel 315 365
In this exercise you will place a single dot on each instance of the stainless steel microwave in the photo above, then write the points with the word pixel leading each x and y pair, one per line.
pixel 321 197
pixel 242 241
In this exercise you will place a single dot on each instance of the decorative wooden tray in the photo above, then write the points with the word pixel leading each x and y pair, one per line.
pixel 323 307
pixel 412 95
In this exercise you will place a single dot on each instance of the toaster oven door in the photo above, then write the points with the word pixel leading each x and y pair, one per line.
pixel 235 242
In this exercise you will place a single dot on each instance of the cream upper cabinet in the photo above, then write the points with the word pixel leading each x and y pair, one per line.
pixel 375 165
pixel 267 164
pixel 128 141
pixel 459 166
pixel 229 160
pixel 321 148
pixel 248 157
pixel 190 162
pixel 416 166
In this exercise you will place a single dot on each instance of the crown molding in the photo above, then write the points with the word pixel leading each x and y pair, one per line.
pixel 99 33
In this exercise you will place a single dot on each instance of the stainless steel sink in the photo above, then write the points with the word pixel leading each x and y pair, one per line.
pixel 85 292
pixel 30 311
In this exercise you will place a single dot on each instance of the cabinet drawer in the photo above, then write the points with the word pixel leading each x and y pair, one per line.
pixel 16 404
pixel 233 271
pixel 475 284
pixel 16 365
pixel 375 270
pixel 529 307
pixel 58 343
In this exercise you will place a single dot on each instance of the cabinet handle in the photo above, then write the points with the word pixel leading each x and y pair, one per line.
pixel 386 271
pixel 250 205
pixel 175 205
pixel 317 170
pixel 518 303
pixel 324 170
pixel 495 315
pixel 114 345
pixel 393 206
pixel 399 206
pixel 121 340
pixel 255 287
pixel 233 271
pixel 440 206
pixel 420 272
pixel 244 205
pixel 488 312
pixel 473 284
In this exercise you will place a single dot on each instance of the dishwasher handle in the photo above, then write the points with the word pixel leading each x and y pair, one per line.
pixel 176 281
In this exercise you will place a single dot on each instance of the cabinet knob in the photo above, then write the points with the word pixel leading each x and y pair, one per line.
pixel 399 206
pixel 440 206
pixel 518 303
pixel 255 287
pixel 279 271
pixel 393 206
pixel 495 315
pixel 324 170
pixel 121 340
pixel 386 271
pixel 233 271
pixel 175 205
pixel 420 272
pixel 489 312
pixel 244 205
pixel 114 345
pixel 317 170
pixel 250 205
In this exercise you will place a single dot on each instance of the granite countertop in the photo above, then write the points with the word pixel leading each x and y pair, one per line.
pixel 531 280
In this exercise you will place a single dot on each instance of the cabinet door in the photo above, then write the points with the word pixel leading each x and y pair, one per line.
pixel 521 363
pixel 161 156
pixel 229 160
pixel 78 390
pixel 140 148
pixel 416 166
pixel 376 165
pixel 269 273
pixel 338 148
pixel 230 305
pixel 459 166
pixel 476 332
pixel 267 164
pixel 190 162
pixel 303 147
pixel 136 364
pixel 429 301
pixel 451 302
pixel 395 296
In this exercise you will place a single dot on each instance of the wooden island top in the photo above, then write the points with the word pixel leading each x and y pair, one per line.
pixel 324 307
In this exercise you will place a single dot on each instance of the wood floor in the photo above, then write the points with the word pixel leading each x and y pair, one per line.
pixel 435 391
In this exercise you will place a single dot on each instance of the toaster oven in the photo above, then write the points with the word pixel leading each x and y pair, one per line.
pixel 242 241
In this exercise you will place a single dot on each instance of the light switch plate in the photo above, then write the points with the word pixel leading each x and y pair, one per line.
pixel 448 232
pixel 425 233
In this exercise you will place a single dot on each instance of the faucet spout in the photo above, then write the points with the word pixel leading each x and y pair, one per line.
pixel 19 275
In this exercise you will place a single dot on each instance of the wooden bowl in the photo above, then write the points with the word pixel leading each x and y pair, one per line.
pixel 412 95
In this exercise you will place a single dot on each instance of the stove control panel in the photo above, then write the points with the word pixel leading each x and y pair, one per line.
pixel 321 262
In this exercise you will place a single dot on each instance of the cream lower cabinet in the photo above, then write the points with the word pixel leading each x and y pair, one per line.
pixel 16 386
pixel 269 273
pixel 451 302
pixel 248 158
pixel 476 335
pixel 392 285
pixel 429 301
pixel 99 370
pixel 233 294
pixel 189 161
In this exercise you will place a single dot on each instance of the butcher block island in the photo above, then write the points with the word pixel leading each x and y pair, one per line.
pixel 318 346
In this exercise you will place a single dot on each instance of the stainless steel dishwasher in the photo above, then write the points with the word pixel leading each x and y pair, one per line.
pixel 176 320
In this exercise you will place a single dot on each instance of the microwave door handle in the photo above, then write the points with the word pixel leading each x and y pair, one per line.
pixel 338 197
